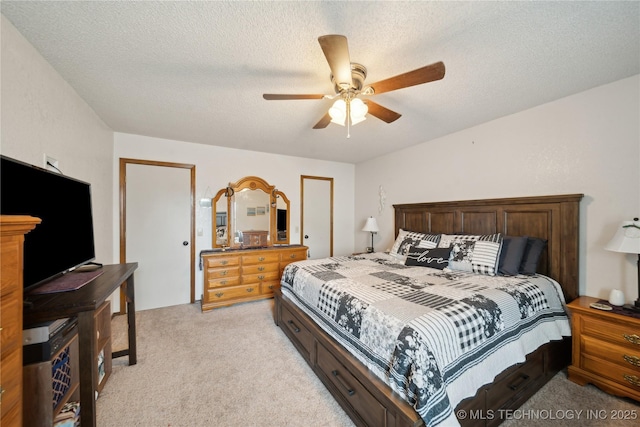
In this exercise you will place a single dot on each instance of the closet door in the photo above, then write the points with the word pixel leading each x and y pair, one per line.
pixel 317 215
pixel 159 232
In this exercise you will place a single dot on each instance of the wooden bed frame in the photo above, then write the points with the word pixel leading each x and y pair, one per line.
pixel 370 402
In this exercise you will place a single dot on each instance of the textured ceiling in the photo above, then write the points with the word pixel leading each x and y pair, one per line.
pixel 196 71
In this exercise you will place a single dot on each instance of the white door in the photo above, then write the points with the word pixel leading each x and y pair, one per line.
pixel 158 233
pixel 317 216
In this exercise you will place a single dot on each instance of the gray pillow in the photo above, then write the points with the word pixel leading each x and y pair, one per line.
pixel 513 248
pixel 531 257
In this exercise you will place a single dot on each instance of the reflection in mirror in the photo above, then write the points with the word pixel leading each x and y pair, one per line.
pixel 251 218
pixel 220 231
pixel 282 218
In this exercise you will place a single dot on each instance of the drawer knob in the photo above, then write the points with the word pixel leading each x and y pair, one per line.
pixel 224 262
pixel 634 360
pixel 632 379
pixel 223 282
pixel 261 277
pixel 270 286
pixel 261 268
pixel 350 391
pixel 261 258
pixel 249 290
pixel 223 273
pixel 633 339
pixel 219 294
pixel 292 256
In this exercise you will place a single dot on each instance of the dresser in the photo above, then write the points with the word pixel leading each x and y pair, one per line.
pixel 237 275
pixel 12 231
pixel 606 349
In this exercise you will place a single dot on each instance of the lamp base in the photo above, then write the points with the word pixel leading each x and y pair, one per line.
pixel 370 250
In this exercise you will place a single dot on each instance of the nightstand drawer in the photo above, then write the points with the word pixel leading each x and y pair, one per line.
pixel 620 355
pixel 614 332
pixel 628 377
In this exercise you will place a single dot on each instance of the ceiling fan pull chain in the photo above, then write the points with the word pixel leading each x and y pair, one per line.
pixel 348 117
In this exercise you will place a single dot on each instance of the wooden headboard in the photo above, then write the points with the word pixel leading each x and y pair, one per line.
pixel 554 218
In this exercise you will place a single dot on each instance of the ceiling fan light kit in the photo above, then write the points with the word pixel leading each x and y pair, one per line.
pixel 348 82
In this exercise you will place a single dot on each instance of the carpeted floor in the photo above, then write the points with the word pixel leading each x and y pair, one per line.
pixel 233 367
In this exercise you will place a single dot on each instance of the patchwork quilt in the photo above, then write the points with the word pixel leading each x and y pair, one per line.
pixel 434 336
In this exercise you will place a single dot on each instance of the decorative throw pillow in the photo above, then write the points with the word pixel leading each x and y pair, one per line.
pixel 406 239
pixel 511 255
pixel 477 253
pixel 531 256
pixel 434 258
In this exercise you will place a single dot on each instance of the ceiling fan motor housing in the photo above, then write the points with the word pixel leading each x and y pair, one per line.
pixel 358 74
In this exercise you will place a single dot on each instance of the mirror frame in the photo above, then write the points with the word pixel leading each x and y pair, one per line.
pixel 251 183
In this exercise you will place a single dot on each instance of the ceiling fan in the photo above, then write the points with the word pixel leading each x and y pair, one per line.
pixel 348 80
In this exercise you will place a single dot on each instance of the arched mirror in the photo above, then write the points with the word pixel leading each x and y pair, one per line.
pixel 282 219
pixel 250 214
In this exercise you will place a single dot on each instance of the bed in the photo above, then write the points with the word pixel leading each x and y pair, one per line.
pixel 487 363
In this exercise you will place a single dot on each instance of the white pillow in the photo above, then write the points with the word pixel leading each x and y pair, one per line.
pixel 477 253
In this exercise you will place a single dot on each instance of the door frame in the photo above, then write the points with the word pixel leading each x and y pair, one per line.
pixel 123 218
pixel 321 178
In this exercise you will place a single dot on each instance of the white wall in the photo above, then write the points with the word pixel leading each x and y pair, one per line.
pixel 217 166
pixel 586 143
pixel 41 114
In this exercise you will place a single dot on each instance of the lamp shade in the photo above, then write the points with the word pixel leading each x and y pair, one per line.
pixel 371 225
pixel 626 239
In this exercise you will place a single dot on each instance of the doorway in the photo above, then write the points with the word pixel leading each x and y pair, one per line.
pixel 157 230
pixel 317 215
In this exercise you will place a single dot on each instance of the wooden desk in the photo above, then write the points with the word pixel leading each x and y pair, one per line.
pixel 83 303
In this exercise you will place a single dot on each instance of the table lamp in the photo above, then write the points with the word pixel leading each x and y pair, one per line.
pixel 372 227
pixel 627 240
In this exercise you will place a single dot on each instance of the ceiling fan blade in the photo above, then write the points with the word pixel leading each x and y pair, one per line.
pixel 381 112
pixel 324 122
pixel 422 75
pixel 276 96
pixel 336 50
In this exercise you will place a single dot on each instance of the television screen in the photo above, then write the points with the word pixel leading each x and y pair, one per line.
pixel 64 238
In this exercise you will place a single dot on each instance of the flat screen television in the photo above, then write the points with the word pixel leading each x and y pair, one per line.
pixel 64 239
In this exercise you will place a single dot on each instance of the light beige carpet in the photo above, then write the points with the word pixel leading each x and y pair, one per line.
pixel 234 367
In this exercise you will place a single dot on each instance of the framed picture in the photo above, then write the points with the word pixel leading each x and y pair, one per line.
pixel 251 211
pixel 260 210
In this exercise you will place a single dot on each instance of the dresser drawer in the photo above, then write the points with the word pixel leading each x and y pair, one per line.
pixel 261 258
pixel 259 268
pixel 257 278
pixel 11 380
pixel 267 288
pixel 232 292
pixel 222 261
pixel 293 256
pixel 350 388
pixel 614 332
pixel 214 273
pixel 10 322
pixel 223 282
pixel 620 355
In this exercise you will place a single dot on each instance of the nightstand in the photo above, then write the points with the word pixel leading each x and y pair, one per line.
pixel 606 349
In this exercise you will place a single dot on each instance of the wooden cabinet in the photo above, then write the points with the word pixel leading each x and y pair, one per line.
pixel 54 381
pixel 103 345
pixel 606 349
pixel 234 276
pixel 12 231
pixel 255 238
